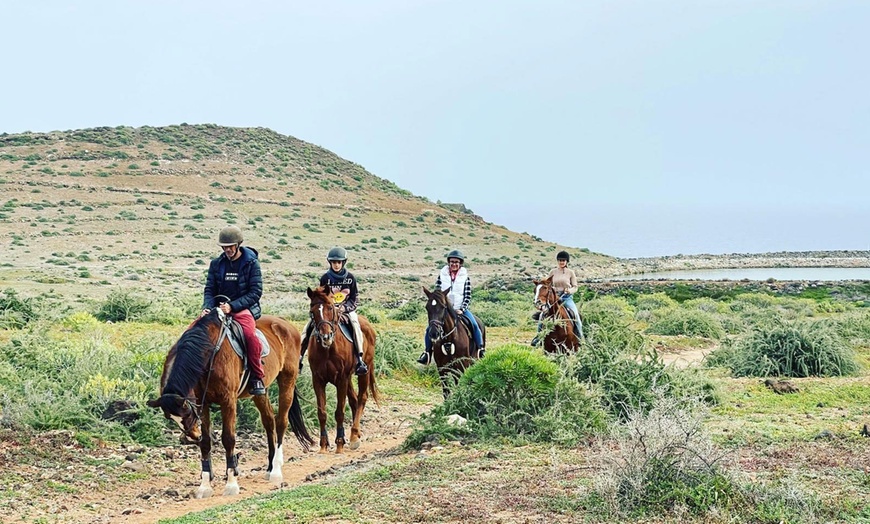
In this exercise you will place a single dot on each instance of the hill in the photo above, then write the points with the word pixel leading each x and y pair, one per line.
pixel 91 210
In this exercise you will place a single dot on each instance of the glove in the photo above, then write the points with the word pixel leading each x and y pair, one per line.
pixel 343 318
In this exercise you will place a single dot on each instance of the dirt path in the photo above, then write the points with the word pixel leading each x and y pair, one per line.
pixel 56 480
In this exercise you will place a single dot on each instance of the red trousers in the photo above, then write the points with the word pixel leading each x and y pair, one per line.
pixel 249 329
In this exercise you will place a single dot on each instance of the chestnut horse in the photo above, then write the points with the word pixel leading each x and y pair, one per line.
pixel 202 369
pixel 452 343
pixel 332 360
pixel 562 338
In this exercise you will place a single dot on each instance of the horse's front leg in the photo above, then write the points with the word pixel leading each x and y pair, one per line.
pixel 204 490
pixel 228 438
pixel 340 401
pixel 320 395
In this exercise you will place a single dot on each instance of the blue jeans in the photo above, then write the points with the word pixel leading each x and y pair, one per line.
pixel 568 302
pixel 478 336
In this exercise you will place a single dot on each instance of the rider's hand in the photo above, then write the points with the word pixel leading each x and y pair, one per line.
pixel 204 312
pixel 225 307
pixel 343 318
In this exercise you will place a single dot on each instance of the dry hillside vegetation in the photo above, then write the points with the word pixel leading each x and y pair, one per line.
pixel 85 211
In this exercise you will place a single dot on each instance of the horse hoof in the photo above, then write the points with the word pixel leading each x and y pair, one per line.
pixel 354 444
pixel 275 478
pixel 204 493
pixel 231 490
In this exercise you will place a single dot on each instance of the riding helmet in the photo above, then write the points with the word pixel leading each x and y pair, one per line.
pixel 456 254
pixel 337 254
pixel 230 236
pixel 563 255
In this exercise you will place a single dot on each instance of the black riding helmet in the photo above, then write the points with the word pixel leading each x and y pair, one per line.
pixel 563 255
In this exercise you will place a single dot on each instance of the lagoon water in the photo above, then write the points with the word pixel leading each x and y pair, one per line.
pixel 829 274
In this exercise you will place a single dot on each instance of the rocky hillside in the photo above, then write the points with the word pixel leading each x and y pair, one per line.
pixel 84 212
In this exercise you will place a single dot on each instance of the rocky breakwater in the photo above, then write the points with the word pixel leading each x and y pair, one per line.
pixel 742 260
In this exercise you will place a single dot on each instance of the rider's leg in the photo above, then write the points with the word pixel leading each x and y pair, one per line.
pixel 478 336
pixel 361 368
pixel 252 343
pixel 578 325
pixel 306 334
pixel 426 356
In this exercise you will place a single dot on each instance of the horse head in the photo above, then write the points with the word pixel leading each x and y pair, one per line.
pixel 545 296
pixel 442 318
pixel 323 315
pixel 186 364
pixel 181 410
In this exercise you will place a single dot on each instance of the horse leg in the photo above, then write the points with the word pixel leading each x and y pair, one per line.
pixel 267 417
pixel 356 402
pixel 204 490
pixel 228 438
pixel 340 400
pixel 285 401
pixel 320 395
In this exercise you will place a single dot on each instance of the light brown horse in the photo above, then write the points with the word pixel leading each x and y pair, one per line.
pixel 446 331
pixel 202 369
pixel 562 338
pixel 332 360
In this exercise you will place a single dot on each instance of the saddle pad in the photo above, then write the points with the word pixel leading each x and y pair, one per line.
pixel 237 346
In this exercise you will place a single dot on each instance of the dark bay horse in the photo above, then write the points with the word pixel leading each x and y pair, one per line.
pixel 445 331
pixel 202 369
pixel 561 338
pixel 332 359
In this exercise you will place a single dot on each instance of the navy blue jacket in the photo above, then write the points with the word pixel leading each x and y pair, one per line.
pixel 249 283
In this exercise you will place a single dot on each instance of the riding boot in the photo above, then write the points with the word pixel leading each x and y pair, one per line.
pixel 536 315
pixel 302 353
pixel 256 387
pixel 361 368
pixel 425 358
pixel 481 352
pixel 535 341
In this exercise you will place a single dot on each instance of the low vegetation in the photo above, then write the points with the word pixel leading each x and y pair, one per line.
pixel 609 433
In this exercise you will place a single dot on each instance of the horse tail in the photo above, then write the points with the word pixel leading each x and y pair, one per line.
pixel 373 389
pixel 297 422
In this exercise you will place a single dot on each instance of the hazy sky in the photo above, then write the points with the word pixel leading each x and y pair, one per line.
pixel 630 127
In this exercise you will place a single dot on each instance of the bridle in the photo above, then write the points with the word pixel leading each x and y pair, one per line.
pixel 327 338
pixel 190 403
pixel 437 326
pixel 546 305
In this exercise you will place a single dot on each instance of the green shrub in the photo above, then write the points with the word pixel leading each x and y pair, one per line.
pixel 15 312
pixel 396 352
pixel 121 306
pixel 691 323
pixel 654 301
pixel 854 326
pixel 519 395
pixel 796 349
pixel 411 310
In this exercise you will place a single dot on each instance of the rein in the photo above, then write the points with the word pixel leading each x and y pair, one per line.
pixel 441 323
pixel 223 335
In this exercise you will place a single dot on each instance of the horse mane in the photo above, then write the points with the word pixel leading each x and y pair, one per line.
pixel 442 301
pixel 190 361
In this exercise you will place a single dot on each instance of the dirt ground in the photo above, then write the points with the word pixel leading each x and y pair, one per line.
pixel 52 478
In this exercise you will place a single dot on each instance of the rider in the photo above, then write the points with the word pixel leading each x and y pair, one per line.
pixel 454 280
pixel 341 285
pixel 565 284
pixel 236 274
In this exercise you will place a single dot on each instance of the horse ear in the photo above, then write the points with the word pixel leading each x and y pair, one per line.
pixel 310 292
pixel 535 282
pixel 155 403
pixel 426 292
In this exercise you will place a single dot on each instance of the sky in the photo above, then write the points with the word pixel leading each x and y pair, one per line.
pixel 632 128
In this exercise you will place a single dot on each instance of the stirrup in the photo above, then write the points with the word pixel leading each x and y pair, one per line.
pixel 425 358
pixel 535 342
pixel 361 368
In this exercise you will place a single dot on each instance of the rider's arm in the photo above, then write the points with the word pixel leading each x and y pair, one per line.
pixel 572 283
pixel 211 285
pixel 352 297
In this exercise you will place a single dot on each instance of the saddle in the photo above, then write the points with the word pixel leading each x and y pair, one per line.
pixel 463 320
pixel 237 341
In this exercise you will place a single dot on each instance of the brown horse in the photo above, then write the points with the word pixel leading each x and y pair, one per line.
pixel 452 343
pixel 332 359
pixel 562 338
pixel 202 369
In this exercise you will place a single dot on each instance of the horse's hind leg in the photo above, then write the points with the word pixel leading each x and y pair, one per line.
pixel 357 401
pixel 273 474
pixel 228 438
pixel 285 401
pixel 320 395
pixel 340 401
pixel 204 490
